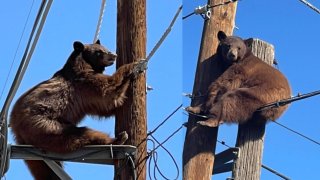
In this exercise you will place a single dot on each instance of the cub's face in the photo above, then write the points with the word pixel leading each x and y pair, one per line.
pixel 232 49
pixel 96 55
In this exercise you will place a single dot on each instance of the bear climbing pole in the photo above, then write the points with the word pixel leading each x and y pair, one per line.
pixel 94 154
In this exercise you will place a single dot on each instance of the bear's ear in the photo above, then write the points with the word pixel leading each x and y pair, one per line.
pixel 221 36
pixel 248 42
pixel 98 41
pixel 78 46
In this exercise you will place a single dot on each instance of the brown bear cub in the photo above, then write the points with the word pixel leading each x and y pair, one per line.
pixel 247 84
pixel 47 115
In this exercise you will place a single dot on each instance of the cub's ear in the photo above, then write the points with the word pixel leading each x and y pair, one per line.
pixel 78 46
pixel 98 41
pixel 221 36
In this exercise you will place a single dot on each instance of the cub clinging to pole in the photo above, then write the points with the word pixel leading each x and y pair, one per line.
pixel 247 84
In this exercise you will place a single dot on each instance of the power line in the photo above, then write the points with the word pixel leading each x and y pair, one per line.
pixel 163 37
pixel 284 102
pixel 170 115
pixel 310 6
pixel 33 39
pixel 16 52
pixel 98 29
pixel 204 11
pixel 154 155
pixel 296 132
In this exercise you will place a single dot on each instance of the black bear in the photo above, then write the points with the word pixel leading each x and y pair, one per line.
pixel 47 115
pixel 247 84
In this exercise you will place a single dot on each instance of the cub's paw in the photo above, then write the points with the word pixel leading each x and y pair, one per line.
pixel 121 138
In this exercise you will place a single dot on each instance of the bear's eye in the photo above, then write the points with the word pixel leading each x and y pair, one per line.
pixel 225 46
pixel 239 48
pixel 98 53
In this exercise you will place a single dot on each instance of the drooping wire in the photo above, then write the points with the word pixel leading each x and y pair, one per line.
pixel 176 131
pixel 152 155
pixel 310 6
pixel 133 166
pixel 16 52
pixel 98 29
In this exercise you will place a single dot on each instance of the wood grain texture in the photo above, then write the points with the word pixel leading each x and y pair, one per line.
pixel 250 138
pixel 131 46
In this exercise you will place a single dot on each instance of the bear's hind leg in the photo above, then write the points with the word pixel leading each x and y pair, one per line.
pixel 194 109
pixel 210 122
pixel 236 106
pixel 73 138
pixel 41 171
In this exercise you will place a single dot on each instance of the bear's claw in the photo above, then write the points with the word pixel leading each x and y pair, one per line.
pixel 122 138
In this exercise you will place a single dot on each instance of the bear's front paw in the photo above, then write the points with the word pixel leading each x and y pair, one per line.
pixel 140 66
pixel 121 138
pixel 194 110
pixel 210 123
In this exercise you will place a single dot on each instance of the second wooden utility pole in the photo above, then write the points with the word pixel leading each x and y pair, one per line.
pixel 131 46
pixel 200 142
pixel 251 136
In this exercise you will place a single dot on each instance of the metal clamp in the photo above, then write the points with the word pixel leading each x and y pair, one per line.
pixel 204 11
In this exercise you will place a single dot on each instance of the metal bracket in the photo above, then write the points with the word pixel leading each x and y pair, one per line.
pixel 204 11
pixel 57 169
pixel 221 160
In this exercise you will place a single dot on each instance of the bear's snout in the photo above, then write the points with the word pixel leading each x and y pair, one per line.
pixel 113 56
pixel 232 55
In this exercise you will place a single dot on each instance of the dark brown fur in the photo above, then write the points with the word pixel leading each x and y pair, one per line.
pixel 47 115
pixel 247 84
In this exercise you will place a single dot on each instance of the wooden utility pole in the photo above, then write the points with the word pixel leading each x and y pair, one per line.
pixel 131 46
pixel 200 142
pixel 251 136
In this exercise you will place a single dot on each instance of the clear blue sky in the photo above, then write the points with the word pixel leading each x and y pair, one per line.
pixel 290 26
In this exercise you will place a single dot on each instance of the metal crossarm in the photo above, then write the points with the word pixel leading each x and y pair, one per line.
pixel 222 160
pixel 94 154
